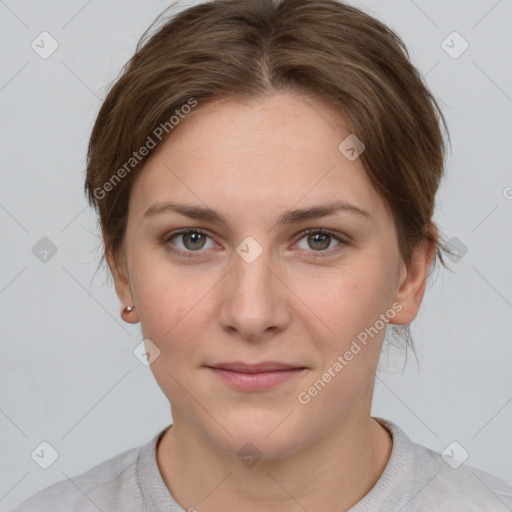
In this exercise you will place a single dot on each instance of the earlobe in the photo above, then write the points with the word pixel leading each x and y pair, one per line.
pixel 413 281
pixel 122 287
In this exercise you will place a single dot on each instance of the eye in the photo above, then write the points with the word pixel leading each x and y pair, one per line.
pixel 195 239
pixel 319 240
pixel 192 240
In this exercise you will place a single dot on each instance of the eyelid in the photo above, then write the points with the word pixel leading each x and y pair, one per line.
pixel 334 234
pixel 182 231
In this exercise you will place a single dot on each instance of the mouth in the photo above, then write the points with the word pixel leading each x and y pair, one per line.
pixel 256 377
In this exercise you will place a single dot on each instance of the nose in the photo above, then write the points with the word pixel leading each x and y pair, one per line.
pixel 254 298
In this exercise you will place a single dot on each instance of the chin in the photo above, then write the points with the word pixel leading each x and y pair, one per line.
pixel 266 435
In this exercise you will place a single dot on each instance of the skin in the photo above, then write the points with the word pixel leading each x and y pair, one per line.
pixel 251 161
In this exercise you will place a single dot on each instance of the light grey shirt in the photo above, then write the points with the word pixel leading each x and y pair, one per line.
pixel 415 479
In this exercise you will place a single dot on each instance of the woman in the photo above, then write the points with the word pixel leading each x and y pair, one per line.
pixel 265 176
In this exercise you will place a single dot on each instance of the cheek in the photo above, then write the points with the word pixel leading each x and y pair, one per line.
pixel 346 301
pixel 349 349
pixel 348 339
pixel 169 304
pixel 171 310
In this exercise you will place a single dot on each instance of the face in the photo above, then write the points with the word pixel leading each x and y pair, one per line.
pixel 250 284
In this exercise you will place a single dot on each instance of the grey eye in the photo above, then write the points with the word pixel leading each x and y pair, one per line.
pixel 318 241
pixel 190 241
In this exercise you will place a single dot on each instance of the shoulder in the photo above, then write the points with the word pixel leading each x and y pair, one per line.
pixel 99 488
pixel 437 482
pixel 459 487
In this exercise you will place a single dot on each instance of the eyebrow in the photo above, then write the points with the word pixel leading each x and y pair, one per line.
pixel 287 217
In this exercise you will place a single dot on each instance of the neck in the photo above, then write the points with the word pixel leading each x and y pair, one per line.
pixel 333 473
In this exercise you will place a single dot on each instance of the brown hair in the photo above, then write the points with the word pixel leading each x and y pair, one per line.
pixel 252 48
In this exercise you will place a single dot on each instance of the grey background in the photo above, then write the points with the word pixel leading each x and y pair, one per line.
pixel 68 374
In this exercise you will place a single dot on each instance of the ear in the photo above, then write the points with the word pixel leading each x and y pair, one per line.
pixel 120 274
pixel 413 280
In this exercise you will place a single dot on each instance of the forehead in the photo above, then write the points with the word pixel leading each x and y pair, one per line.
pixel 269 154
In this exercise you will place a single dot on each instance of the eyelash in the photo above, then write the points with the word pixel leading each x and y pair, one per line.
pixel 190 254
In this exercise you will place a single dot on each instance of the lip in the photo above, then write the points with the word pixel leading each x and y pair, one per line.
pixel 255 377
pixel 264 366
